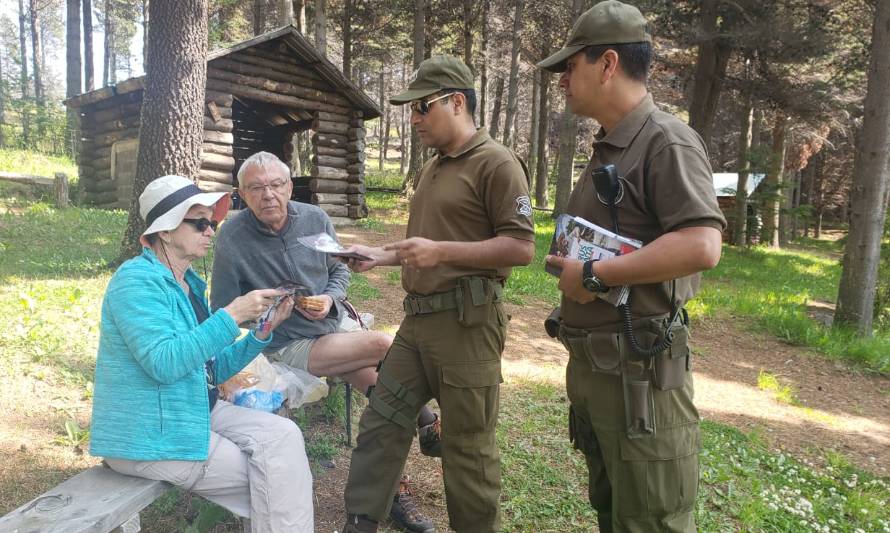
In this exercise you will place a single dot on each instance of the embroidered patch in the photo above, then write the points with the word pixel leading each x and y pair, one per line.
pixel 524 206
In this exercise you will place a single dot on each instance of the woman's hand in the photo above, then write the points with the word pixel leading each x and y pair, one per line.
pixel 282 312
pixel 253 304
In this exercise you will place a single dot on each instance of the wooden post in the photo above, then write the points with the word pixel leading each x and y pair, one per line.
pixel 60 187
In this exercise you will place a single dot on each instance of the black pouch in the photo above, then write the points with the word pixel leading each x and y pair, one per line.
pixel 639 402
pixel 476 300
pixel 551 323
pixel 671 365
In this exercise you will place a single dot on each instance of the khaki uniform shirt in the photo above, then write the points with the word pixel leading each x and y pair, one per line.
pixel 666 185
pixel 477 193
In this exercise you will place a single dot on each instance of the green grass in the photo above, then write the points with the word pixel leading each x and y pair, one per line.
pixel 767 381
pixel 744 486
pixel 360 290
pixel 532 280
pixel 772 289
pixel 37 164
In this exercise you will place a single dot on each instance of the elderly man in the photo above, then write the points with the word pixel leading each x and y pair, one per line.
pixel 631 410
pixel 259 248
pixel 470 222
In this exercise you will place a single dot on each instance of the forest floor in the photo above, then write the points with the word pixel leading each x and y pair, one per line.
pixel 821 406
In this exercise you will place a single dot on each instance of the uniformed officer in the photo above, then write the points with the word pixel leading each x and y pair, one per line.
pixel 470 221
pixel 631 412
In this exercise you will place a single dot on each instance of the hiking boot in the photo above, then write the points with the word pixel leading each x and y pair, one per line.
pixel 404 511
pixel 359 524
pixel 430 438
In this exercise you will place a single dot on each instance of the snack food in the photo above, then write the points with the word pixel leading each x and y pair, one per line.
pixel 311 303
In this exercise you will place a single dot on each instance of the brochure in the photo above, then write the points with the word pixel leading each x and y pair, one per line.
pixel 327 244
pixel 577 238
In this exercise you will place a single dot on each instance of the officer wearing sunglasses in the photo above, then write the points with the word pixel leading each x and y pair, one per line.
pixel 469 223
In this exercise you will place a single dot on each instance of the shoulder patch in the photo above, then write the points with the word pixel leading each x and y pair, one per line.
pixel 524 206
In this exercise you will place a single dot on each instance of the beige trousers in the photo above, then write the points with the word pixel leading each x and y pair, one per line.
pixel 256 467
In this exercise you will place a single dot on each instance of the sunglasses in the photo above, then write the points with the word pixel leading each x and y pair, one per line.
pixel 423 106
pixel 201 224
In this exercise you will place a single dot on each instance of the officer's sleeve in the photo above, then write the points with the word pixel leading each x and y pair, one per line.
pixel 507 201
pixel 680 187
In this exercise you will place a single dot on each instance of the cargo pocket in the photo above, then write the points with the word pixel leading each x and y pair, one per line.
pixel 469 396
pixel 671 365
pixel 661 472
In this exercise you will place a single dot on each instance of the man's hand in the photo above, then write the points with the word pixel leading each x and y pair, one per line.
pixel 362 266
pixel 417 252
pixel 570 279
pixel 321 313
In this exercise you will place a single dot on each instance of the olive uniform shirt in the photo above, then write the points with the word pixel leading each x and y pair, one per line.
pixel 666 185
pixel 477 193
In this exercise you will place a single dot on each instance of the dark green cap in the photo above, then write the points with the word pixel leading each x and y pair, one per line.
pixel 609 22
pixel 433 75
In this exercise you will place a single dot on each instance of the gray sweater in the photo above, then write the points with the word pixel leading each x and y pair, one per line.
pixel 249 256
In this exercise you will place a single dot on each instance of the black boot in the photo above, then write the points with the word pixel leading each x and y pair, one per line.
pixel 359 524
pixel 404 511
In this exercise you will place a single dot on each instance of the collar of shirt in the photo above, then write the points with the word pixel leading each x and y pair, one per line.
pixel 477 139
pixel 625 131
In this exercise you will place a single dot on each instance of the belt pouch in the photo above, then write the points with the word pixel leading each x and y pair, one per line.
pixel 551 323
pixel 474 306
pixel 639 403
pixel 670 366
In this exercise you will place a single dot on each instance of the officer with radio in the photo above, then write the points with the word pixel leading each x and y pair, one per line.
pixel 628 380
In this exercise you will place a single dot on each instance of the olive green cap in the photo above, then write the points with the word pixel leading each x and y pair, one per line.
pixel 433 75
pixel 609 22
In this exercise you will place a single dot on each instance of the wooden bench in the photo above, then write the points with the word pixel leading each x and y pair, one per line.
pixel 59 184
pixel 97 500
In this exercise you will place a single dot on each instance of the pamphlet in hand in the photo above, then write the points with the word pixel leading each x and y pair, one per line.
pixel 327 244
pixel 577 238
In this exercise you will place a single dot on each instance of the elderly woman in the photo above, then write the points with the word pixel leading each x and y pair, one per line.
pixel 156 411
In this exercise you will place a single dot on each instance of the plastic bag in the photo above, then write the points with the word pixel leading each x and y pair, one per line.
pixel 259 399
pixel 298 386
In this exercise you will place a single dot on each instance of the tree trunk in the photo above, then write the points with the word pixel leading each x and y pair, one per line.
pixel 37 55
pixel 483 77
pixel 743 163
pixel 786 195
pixel 286 10
pixel 871 186
pixel 171 122
pixel 533 127
pixel 542 174
pixel 513 88
pixel 321 27
pixel 771 211
pixel 146 22
pixel 108 69
pixel 259 16
pixel 467 19
pixel 568 133
pixel 2 105
pixel 414 163
pixel 23 51
pixel 382 121
pixel 347 39
pixel 72 59
pixel 710 70
pixel 496 107
pixel 298 8
pixel 88 77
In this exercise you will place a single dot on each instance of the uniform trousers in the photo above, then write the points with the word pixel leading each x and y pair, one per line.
pixel 434 356
pixel 256 467
pixel 637 485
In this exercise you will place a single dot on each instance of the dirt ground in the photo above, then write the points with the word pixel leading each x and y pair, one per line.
pixel 837 408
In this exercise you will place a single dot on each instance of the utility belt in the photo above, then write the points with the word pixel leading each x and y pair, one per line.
pixel 473 298
pixel 609 352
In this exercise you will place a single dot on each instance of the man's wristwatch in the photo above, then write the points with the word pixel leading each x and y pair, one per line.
pixel 590 281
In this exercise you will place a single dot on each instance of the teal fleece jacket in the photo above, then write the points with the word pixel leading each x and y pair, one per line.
pixel 150 398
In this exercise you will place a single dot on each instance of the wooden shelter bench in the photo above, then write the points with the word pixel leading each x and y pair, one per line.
pixel 97 500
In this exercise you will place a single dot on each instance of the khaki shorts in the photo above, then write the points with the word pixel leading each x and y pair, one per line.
pixel 296 353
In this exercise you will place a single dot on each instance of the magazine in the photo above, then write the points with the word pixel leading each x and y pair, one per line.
pixel 323 242
pixel 577 238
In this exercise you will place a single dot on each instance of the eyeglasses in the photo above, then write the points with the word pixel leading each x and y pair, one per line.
pixel 423 106
pixel 275 186
pixel 201 224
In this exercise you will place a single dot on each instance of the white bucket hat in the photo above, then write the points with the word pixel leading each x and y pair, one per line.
pixel 165 201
